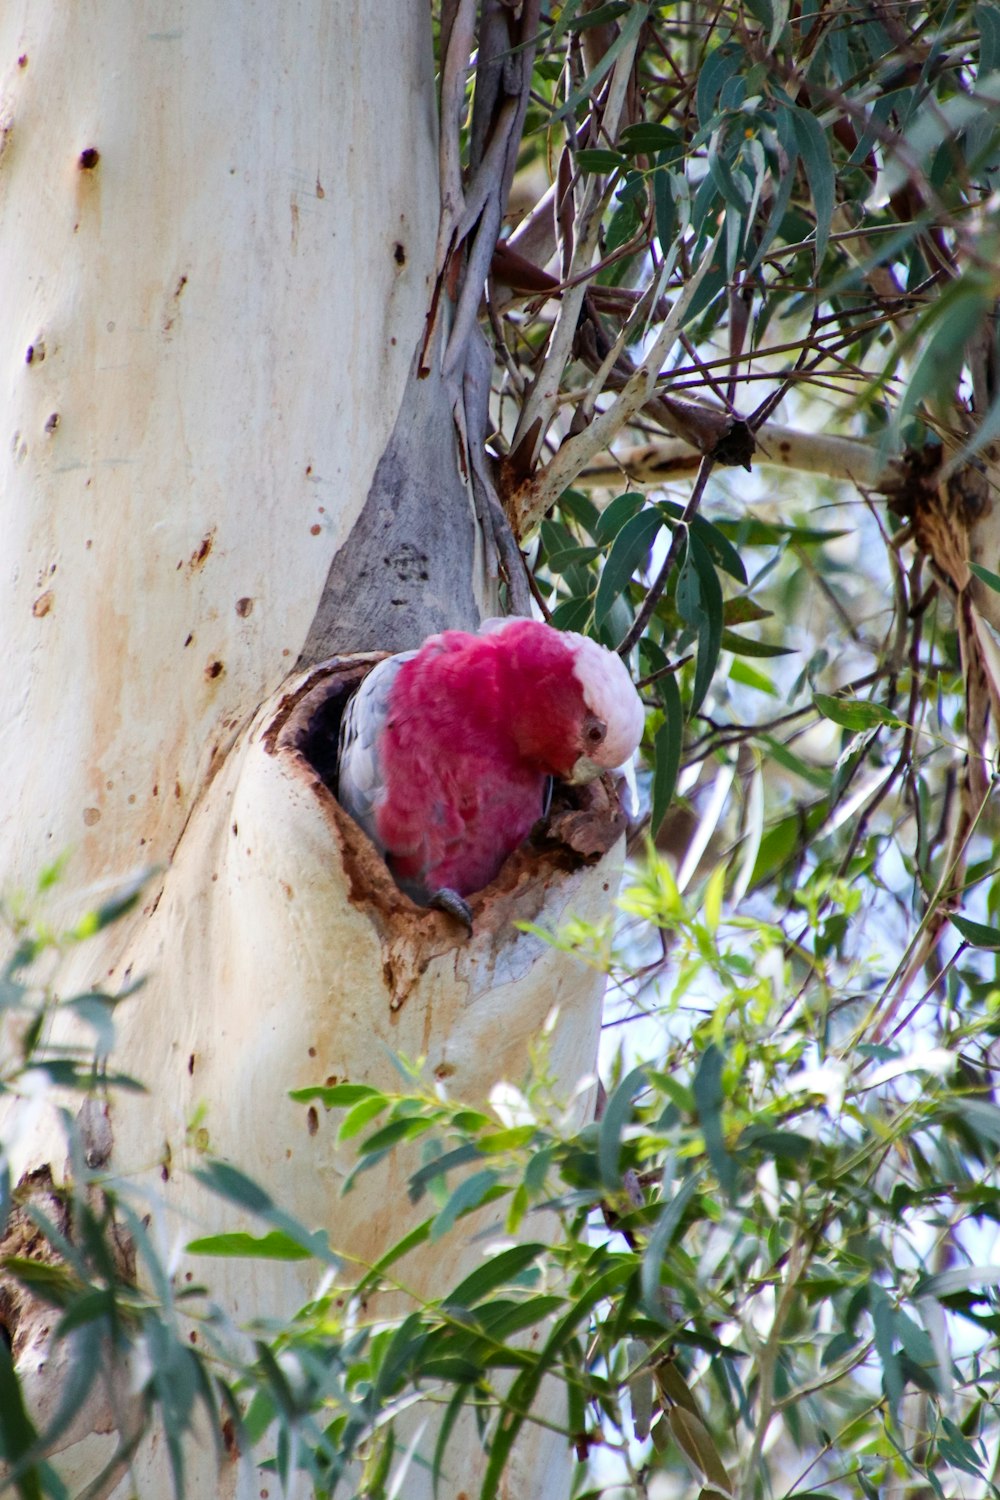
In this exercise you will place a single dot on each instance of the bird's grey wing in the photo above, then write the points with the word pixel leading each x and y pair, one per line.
pixel 360 782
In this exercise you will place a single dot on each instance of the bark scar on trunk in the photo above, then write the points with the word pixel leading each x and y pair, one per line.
pixel 24 1240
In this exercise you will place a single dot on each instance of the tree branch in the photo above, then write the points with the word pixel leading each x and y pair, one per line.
pixel 781 447
pixel 541 405
pixel 535 497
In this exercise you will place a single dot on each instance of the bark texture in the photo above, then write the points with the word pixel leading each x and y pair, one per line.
pixel 215 274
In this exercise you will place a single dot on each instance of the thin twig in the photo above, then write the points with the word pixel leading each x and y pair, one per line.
pixel 534 498
pixel 678 540
pixel 541 404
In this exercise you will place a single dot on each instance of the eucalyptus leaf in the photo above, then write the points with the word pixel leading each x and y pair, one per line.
pixel 667 747
pixel 629 552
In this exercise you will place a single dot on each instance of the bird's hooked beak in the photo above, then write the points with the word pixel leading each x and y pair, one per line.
pixel 584 768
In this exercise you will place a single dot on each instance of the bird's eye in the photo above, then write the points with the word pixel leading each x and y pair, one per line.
pixel 596 731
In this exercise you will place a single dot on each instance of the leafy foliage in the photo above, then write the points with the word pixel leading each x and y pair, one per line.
pixel 773 1229
pixel 842 162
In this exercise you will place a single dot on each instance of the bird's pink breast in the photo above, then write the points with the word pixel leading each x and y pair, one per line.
pixel 460 792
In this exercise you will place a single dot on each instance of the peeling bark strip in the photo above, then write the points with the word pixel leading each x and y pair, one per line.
pixel 406 569
pixel 23 1238
pixel 109 1402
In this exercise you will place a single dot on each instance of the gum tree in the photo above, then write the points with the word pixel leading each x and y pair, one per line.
pixel 293 377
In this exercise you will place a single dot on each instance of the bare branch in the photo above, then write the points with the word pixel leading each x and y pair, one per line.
pixel 534 498
pixel 543 401
pixel 780 447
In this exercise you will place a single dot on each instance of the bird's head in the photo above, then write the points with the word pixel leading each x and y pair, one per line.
pixel 613 717
pixel 568 703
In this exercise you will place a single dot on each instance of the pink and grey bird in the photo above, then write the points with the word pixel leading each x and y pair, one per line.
pixel 446 752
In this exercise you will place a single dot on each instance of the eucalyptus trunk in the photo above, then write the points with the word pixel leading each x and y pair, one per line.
pixel 218 232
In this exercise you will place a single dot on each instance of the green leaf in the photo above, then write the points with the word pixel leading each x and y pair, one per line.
pixel 361 1114
pixel 494 1272
pixel 985 576
pixel 556 536
pixel 741 645
pixel 259 1415
pixel 230 1183
pixel 394 1132
pixel 599 16
pixel 581 509
pixel 975 933
pixel 707 1088
pixel 66 1074
pixel 571 557
pixel 742 610
pixel 714 279
pixel 719 67
pixel 96 1011
pixel 629 552
pixel 751 678
pixel 469 1194
pixel 700 605
pixel 524 1389
pixel 502 1319
pixel 438 1169
pixel 958 1279
pixel 783 1145
pixel 645 139
pixel 93 1306
pixel 855 714
pixel 883 1316
pixel 842 1343
pixel 273 1246
pixel 621 509
pixel 17 1435
pixel 109 911
pixel 982 1118
pixel 716 543
pixel 815 152
pixel 617 1109
pixel 783 192
pixel 696 1443
pixel 954 317
pixel 572 614
pixel 396 1252
pixel 336 1096
pixel 598 159
pixel 731 185
pixel 456 1407
pixel 629 30
pixel 752 532
pixel 667 747
pixel 660 1240
pixel 817 776
pixel 51 1283
pixel 665 209
pixel 988 25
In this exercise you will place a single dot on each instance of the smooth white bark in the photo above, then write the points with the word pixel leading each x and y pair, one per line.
pixel 204 339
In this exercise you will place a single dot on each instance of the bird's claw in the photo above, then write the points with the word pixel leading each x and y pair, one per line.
pixel 456 906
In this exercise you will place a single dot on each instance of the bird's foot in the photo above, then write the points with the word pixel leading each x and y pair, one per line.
pixel 456 906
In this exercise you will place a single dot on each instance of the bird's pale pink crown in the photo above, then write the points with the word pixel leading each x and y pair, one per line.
pixel 574 708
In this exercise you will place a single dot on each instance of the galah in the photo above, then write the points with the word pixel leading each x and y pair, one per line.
pixel 446 753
